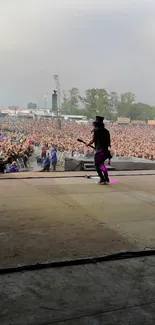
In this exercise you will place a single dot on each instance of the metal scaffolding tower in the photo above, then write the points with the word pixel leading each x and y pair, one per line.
pixel 45 101
pixel 57 84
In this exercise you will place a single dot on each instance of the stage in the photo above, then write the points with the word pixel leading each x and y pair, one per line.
pixel 74 216
pixel 64 217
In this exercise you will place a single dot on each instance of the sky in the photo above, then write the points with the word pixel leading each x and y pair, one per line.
pixel 89 43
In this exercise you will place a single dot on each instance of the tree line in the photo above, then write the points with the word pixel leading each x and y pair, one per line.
pixel 110 105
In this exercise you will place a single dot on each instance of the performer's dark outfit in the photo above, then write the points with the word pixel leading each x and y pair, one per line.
pixel 101 138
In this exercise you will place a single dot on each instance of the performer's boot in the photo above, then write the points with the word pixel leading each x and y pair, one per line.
pixel 106 178
pixel 104 170
pixel 101 181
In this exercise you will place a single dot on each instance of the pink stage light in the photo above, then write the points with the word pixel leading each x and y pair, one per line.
pixel 112 180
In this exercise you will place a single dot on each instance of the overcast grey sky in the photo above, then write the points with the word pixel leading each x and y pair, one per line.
pixel 89 43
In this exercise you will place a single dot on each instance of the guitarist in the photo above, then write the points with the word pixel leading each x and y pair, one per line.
pixel 101 139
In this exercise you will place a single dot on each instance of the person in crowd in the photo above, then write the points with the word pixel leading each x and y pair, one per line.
pixel 2 166
pixel 43 151
pixel 13 168
pixel 54 158
pixel 46 163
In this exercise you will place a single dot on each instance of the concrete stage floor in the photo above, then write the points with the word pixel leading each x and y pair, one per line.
pixel 63 218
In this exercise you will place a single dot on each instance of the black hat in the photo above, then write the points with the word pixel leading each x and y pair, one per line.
pixel 99 119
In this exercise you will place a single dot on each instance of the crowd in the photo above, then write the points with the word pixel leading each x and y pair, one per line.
pixel 13 147
pixel 18 136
